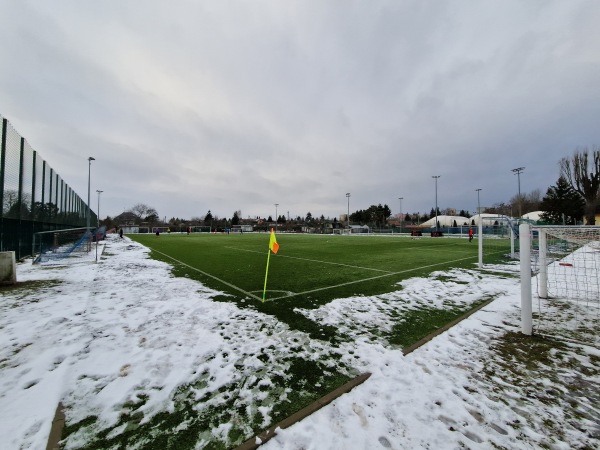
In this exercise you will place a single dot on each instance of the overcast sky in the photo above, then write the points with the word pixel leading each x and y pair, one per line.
pixel 237 105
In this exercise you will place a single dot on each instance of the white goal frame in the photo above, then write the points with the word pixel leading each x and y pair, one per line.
pixel 584 236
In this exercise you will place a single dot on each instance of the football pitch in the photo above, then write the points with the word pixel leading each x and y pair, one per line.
pixel 311 270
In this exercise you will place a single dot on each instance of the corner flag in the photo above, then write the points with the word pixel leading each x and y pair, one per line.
pixel 273 247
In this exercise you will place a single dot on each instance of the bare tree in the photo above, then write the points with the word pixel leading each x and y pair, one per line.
pixel 144 212
pixel 583 175
pixel 529 202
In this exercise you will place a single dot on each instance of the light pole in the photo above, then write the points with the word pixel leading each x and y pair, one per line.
pixel 478 207
pixel 518 171
pixel 401 198
pixel 436 206
pixel 348 215
pixel 89 211
pixel 98 222
pixel 276 205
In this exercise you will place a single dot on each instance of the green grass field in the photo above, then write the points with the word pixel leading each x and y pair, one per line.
pixel 312 270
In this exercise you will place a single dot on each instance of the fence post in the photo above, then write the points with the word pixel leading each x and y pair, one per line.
pixel 525 255
pixel 20 195
pixel 512 243
pixel 43 199
pixel 2 176
pixel 543 263
pixel 480 241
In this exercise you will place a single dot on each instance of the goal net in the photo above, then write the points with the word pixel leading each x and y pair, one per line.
pixel 565 261
pixel 499 236
pixel 341 231
pixel 59 244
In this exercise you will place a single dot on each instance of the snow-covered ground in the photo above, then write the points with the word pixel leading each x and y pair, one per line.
pixel 121 334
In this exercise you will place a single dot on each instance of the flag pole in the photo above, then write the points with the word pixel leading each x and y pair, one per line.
pixel 266 274
pixel 273 247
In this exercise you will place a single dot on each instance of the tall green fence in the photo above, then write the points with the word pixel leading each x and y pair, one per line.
pixel 33 196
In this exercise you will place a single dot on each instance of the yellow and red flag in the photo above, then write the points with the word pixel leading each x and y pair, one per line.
pixel 273 245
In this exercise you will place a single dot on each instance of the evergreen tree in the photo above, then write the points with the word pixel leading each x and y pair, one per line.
pixel 208 218
pixel 561 200
pixel 235 220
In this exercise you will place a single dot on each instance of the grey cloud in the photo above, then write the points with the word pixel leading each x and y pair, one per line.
pixel 235 105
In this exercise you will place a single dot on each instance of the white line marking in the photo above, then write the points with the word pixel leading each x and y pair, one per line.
pixel 387 273
pixel 209 275
pixel 315 260
pixel 372 278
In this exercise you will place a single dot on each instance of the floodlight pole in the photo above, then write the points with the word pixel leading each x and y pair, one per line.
pixel 348 216
pixel 401 198
pixel 276 205
pixel 89 211
pixel 436 205
pixel 518 171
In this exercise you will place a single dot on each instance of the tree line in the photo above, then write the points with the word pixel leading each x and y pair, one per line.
pixel 575 196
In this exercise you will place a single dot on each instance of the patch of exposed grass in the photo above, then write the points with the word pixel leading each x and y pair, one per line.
pixel 416 324
pixel 527 365
pixel 24 289
pixel 193 421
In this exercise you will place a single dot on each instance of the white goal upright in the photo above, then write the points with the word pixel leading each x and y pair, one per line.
pixel 565 262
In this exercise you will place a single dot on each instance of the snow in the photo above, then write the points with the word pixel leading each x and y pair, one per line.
pixel 97 336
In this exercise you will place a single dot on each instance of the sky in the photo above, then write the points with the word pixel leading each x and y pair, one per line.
pixel 99 337
pixel 192 106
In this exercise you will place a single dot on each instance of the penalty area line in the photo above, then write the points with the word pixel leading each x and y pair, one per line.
pixel 232 286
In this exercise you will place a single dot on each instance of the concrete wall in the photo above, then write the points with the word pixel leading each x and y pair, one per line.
pixel 8 268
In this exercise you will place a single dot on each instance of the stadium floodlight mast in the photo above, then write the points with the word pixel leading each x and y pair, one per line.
pixel 400 198
pixel 276 205
pixel 478 207
pixel 518 171
pixel 436 206
pixel 348 216
pixel 89 211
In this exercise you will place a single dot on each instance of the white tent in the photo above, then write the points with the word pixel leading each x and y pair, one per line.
pixel 533 215
pixel 447 221
pixel 488 220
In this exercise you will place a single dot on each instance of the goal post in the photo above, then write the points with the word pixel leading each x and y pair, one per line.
pixel 525 266
pixel 58 244
pixel 497 236
pixel 560 266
